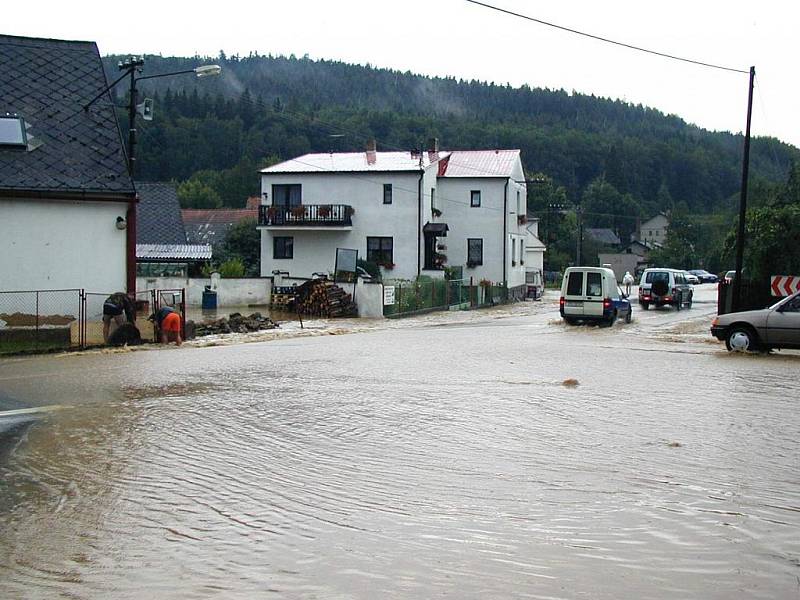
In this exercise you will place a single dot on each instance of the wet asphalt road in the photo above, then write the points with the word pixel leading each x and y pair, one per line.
pixel 495 454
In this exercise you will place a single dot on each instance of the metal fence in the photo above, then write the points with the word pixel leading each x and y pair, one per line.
pixel 443 294
pixel 46 320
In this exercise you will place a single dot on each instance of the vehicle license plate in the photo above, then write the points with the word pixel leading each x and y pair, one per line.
pixel 574 304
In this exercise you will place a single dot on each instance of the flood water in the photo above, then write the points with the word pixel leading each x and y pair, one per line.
pixel 427 459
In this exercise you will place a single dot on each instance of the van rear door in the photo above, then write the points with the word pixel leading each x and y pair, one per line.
pixel 573 298
pixel 593 303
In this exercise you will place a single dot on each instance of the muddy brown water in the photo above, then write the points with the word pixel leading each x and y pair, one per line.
pixel 425 460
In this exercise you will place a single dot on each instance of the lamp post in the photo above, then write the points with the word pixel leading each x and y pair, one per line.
pixel 130 67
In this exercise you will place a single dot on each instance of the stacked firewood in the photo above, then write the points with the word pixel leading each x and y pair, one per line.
pixel 323 298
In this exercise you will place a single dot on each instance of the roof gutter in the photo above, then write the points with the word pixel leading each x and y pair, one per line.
pixel 83 195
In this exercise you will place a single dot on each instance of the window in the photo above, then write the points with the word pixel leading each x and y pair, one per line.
pixel 387 193
pixel 474 251
pixel 287 195
pixel 513 252
pixel 12 132
pixel 283 247
pixel 475 198
pixel 594 284
pixel 575 284
pixel 380 250
pixel 519 206
pixel 433 198
pixel 522 252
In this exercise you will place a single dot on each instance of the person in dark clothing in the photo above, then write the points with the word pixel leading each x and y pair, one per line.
pixel 169 325
pixel 114 307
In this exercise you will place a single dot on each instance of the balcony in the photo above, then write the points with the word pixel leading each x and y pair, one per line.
pixel 307 216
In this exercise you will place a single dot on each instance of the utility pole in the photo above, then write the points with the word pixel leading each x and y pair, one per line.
pixel 579 215
pixel 131 66
pixel 737 280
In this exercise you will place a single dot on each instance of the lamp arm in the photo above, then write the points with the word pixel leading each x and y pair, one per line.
pixel 165 74
pixel 108 87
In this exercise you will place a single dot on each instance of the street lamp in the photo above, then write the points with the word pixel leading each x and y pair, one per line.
pixel 130 67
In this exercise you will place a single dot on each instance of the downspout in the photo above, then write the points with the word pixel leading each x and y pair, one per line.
pixel 505 232
pixel 130 246
pixel 419 222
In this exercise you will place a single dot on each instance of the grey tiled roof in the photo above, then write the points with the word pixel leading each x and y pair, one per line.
pixel 158 215
pixel 47 83
pixel 604 236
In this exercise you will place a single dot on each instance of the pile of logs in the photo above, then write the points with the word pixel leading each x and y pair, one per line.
pixel 323 298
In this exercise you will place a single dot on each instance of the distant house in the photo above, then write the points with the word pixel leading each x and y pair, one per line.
pixel 67 202
pixel 161 246
pixel 654 231
pixel 411 213
pixel 607 237
pixel 210 226
pixel 534 247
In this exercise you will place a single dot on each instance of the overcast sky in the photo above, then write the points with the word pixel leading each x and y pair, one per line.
pixel 456 38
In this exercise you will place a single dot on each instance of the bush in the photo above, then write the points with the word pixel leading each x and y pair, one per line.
pixel 232 268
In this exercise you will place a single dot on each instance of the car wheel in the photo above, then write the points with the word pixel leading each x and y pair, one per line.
pixel 610 321
pixel 644 305
pixel 570 320
pixel 741 339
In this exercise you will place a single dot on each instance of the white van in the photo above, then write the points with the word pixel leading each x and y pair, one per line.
pixel 592 294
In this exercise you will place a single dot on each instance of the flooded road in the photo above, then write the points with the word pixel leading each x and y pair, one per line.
pixel 491 454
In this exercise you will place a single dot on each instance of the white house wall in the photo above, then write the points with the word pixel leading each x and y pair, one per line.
pixel 484 222
pixel 315 249
pixel 62 244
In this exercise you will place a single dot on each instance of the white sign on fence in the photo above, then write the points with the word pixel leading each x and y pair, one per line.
pixel 388 295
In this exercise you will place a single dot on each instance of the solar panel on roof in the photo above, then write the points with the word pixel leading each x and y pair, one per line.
pixel 12 131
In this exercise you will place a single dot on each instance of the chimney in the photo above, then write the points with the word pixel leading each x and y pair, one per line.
pixel 371 152
pixel 433 149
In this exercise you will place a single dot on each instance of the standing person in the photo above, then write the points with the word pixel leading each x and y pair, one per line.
pixel 169 325
pixel 114 307
pixel 628 281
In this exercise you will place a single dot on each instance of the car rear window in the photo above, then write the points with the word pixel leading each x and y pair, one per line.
pixel 654 276
pixel 575 284
pixel 594 284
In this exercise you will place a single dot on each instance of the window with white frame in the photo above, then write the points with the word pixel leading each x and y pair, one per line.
pixel 387 193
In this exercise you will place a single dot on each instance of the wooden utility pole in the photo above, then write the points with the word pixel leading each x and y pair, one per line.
pixel 737 280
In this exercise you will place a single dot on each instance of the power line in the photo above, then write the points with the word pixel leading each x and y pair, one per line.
pixel 607 40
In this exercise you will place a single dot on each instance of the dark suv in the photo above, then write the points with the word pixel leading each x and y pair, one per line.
pixel 660 287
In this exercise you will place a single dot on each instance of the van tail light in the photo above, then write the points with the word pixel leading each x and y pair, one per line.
pixel 561 302
pixel 607 303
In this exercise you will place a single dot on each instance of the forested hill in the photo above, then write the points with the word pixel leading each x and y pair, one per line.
pixel 265 108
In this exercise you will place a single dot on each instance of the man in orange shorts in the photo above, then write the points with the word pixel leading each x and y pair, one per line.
pixel 169 325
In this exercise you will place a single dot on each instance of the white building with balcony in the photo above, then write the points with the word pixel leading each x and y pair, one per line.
pixel 411 213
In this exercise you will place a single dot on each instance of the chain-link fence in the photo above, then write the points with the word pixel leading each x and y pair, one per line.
pixel 40 320
pixel 44 320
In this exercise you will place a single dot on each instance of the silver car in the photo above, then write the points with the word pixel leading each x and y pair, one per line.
pixel 775 327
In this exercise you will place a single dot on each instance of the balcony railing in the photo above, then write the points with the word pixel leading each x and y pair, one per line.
pixel 307 215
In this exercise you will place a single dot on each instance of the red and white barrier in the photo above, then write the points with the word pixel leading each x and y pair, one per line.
pixel 785 285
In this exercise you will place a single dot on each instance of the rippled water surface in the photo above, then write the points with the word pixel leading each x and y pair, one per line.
pixel 413 463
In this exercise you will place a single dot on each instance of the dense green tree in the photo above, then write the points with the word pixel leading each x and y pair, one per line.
pixel 195 193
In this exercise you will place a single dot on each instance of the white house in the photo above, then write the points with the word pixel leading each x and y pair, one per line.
pixel 653 232
pixel 412 213
pixel 67 203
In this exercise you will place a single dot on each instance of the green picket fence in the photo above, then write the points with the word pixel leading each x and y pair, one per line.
pixel 427 294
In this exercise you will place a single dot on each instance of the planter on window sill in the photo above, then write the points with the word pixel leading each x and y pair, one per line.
pixel 299 211
pixel 436 212
pixel 472 265
pixel 387 266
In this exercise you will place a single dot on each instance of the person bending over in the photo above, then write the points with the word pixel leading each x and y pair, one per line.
pixel 169 325
pixel 114 307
